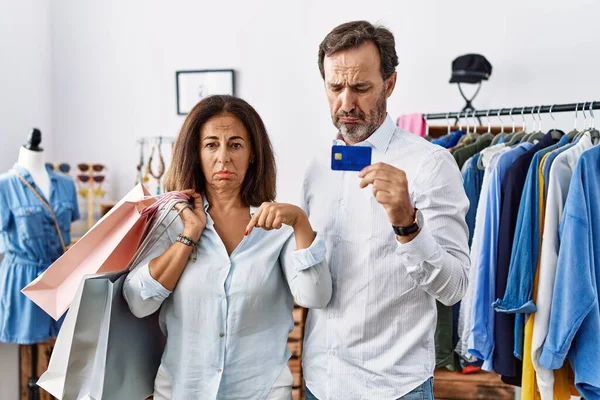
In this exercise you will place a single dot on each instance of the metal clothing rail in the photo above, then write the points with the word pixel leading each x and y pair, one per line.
pixel 573 107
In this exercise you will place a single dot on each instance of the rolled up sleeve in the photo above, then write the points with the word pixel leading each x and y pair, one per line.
pixel 307 273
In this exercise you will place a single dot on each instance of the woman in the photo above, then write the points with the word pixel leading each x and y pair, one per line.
pixel 224 274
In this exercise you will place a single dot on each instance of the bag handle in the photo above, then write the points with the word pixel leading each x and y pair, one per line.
pixel 48 207
pixel 157 221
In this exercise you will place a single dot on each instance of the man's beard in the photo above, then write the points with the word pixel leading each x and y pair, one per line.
pixel 358 132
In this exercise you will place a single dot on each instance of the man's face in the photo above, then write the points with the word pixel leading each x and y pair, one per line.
pixel 356 91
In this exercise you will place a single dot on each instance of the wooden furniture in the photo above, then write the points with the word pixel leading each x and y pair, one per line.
pixel 44 351
pixel 480 385
pixel 295 343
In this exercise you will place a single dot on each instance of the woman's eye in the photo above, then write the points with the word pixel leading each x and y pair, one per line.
pixel 236 145
pixel 210 145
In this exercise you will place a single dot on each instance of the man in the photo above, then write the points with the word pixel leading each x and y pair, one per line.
pixel 396 234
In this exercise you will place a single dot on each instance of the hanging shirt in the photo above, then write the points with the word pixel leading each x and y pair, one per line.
pixel 375 339
pixel 464 320
pixel 528 385
pixel 464 153
pixel 525 251
pixel 472 182
pixel 505 363
pixel 560 178
pixel 30 243
pixel 449 141
pixel 481 337
pixel 228 319
pixel 550 160
pixel 413 123
pixel 575 311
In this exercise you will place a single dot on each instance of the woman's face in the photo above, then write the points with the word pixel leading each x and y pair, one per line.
pixel 225 151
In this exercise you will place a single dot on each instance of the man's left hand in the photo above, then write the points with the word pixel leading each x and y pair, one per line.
pixel 390 188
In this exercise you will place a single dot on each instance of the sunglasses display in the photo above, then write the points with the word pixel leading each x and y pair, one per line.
pixel 62 167
pixel 86 167
pixel 95 178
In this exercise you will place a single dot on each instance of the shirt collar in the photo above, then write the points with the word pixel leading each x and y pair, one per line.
pixel 380 139
pixel 206 205
pixel 25 173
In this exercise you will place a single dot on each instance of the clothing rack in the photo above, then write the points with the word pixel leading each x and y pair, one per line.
pixel 572 107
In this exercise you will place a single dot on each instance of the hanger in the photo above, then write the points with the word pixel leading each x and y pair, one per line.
pixel 594 133
pixel 556 134
pixel 571 135
pixel 524 131
pixel 536 135
pixel 585 127
pixel 502 133
pixel 515 137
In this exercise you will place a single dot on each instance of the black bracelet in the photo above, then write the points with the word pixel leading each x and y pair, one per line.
pixel 186 240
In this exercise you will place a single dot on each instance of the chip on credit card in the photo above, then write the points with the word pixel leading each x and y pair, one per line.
pixel 350 158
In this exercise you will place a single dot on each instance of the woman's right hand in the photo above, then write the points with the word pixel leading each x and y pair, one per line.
pixel 194 221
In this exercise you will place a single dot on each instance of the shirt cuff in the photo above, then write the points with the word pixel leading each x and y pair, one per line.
pixel 551 360
pixel 421 248
pixel 151 288
pixel 505 307
pixel 313 255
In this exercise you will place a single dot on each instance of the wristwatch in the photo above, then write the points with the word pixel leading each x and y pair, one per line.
pixel 409 230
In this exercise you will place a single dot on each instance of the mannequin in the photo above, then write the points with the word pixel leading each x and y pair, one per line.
pixel 37 207
pixel 31 157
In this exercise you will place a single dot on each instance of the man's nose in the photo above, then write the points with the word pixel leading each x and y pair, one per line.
pixel 348 99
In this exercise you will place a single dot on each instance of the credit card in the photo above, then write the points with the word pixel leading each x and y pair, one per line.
pixel 350 158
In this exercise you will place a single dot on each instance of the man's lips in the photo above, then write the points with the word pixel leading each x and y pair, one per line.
pixel 349 120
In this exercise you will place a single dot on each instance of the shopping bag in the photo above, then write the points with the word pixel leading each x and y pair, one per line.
pixel 106 247
pixel 102 350
pixel 114 355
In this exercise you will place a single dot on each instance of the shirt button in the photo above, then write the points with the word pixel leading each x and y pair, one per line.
pixel 338 239
pixel 220 370
pixel 333 277
pixel 342 202
pixel 221 334
pixel 332 353
pixel 331 316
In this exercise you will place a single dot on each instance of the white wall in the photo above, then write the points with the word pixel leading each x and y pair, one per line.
pixel 25 76
pixel 25 102
pixel 114 65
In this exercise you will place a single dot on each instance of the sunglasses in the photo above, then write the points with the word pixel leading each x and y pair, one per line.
pixel 86 178
pixel 86 167
pixel 62 167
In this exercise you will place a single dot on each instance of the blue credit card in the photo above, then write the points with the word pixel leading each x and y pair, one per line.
pixel 350 158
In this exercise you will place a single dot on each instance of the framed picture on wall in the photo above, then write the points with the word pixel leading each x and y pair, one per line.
pixel 193 86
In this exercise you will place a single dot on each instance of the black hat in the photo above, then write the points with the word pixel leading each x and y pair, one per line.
pixel 470 68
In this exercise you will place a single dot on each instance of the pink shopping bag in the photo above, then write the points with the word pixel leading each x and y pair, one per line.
pixel 106 247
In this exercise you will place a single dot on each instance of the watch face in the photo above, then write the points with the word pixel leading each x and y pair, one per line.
pixel 420 220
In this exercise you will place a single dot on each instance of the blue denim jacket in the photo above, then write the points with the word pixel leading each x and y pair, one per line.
pixel 575 311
